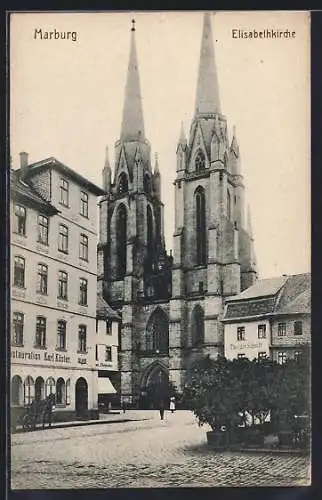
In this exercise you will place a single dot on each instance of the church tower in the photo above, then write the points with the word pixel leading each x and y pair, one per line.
pixel 213 248
pixel 134 273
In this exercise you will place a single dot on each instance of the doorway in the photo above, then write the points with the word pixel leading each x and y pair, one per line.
pixel 81 396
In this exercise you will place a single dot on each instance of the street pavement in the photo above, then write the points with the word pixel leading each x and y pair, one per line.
pixel 140 454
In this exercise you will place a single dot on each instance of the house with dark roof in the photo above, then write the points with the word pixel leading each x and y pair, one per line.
pixel 270 318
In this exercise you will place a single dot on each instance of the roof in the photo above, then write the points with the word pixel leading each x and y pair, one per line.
pixel 272 297
pixel 104 310
pixel 52 162
pixel 22 191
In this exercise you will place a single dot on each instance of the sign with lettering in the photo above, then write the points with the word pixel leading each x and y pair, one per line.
pixel 54 357
pixel 247 345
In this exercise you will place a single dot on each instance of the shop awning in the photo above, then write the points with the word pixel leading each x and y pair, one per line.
pixel 105 386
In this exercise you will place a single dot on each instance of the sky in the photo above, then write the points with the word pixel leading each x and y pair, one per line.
pixel 67 101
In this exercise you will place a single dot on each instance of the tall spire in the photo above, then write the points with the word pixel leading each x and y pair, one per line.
pixel 207 98
pixel 132 122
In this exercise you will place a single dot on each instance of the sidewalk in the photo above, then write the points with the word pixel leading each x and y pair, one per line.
pixel 104 418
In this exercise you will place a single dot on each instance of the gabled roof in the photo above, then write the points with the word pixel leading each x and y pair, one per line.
pixel 51 162
pixel 104 310
pixel 26 193
pixel 272 297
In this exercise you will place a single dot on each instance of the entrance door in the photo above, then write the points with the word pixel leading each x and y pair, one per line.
pixel 81 396
pixel 157 388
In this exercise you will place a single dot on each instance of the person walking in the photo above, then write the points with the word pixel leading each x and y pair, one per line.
pixel 124 406
pixel 161 410
pixel 172 404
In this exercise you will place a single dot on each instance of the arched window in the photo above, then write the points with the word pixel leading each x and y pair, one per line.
pixel 121 231
pixel 16 391
pixel 197 326
pixel 157 332
pixel 39 389
pixel 60 391
pixel 147 184
pixel 50 386
pixel 200 161
pixel 200 236
pixel 228 205
pixel 29 390
pixel 150 235
pixel 123 185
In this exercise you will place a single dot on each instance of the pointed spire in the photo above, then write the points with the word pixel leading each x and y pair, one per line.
pixel 132 122
pixel 207 99
pixel 106 173
pixel 107 163
pixel 156 166
pixel 234 144
pixel 249 223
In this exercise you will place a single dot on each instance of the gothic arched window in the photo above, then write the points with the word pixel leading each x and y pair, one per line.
pixel 150 235
pixel 197 326
pixel 147 184
pixel 157 332
pixel 121 239
pixel 200 226
pixel 123 185
pixel 228 205
pixel 200 161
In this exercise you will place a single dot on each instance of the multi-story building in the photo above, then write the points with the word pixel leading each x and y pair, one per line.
pixel 106 356
pixel 270 318
pixel 53 287
pixel 171 307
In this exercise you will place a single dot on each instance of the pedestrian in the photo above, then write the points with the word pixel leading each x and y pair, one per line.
pixel 172 404
pixel 124 406
pixel 161 410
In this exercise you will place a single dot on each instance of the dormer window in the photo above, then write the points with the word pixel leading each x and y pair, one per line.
pixel 200 161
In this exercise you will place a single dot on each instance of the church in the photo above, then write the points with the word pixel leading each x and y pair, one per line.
pixel 172 305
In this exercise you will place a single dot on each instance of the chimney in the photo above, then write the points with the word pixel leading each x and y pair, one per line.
pixel 23 164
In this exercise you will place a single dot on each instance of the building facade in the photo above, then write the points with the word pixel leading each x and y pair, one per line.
pixel 171 306
pixel 271 318
pixel 53 287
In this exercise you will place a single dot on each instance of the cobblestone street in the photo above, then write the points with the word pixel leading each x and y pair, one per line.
pixel 148 453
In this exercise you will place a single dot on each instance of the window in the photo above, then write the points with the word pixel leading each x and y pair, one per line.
pixel 83 247
pixel 50 386
pixel 121 240
pixel 197 326
pixel 83 204
pixel 122 184
pixel 62 285
pixel 43 225
pixel 281 329
pixel 297 355
pixel 201 290
pixel 108 353
pixel 281 357
pixel 200 161
pixel 108 328
pixel 17 328
pixel 157 332
pixel 19 223
pixel 262 355
pixel 42 278
pixel 40 340
pixel 200 236
pixel 240 333
pixel 83 292
pixel 63 238
pixel 82 338
pixel 241 356
pixel 19 272
pixel 60 392
pixel 64 192
pixel 261 331
pixel 61 334
pixel 96 352
pixel 298 328
pixel 29 391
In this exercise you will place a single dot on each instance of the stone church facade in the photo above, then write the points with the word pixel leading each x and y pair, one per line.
pixel 171 305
